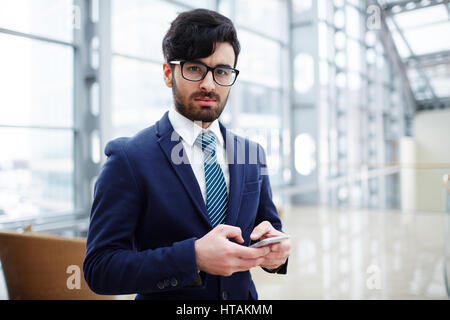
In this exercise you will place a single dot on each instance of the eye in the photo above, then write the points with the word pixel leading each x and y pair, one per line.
pixel 222 72
pixel 194 68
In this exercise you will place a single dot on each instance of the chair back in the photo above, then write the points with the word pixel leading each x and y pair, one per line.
pixel 44 266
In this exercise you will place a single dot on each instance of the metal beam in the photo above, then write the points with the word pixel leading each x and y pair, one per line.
pixel 262 35
pixel 421 73
pixel 105 74
pixel 36 37
pixel 391 50
pixel 426 60
pixel 428 104
pixel 387 8
pixel 138 58
pixel 37 127
pixel 85 122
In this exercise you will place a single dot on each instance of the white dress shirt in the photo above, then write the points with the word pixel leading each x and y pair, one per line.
pixel 188 131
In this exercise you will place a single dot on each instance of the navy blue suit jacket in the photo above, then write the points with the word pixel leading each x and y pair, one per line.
pixel 148 211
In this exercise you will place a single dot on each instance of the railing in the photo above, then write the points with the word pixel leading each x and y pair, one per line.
pixel 75 222
pixel 447 235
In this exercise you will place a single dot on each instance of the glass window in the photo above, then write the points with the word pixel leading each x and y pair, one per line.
pixel 439 77
pixel 37 177
pixel 429 39
pixel 354 53
pixel 354 83
pixel 418 85
pixel 301 6
pixel 36 109
pixel 353 24
pixel 303 73
pixel 138 26
pixel 259 60
pixel 422 17
pixel 356 3
pixel 208 4
pixel 305 150
pixel 139 95
pixel 36 81
pixel 258 99
pixel 226 8
pixel 401 46
pixel 256 15
pixel 324 40
pixel 48 18
pixel 324 10
pixel 339 18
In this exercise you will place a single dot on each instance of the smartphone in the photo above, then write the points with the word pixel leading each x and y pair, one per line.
pixel 268 241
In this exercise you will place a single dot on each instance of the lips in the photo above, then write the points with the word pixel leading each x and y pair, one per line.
pixel 205 101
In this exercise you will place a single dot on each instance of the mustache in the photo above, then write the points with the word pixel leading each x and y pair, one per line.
pixel 209 95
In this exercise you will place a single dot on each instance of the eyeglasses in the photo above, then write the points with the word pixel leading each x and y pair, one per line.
pixel 196 71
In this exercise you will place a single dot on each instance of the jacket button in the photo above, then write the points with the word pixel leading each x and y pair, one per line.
pixel 173 282
pixel 166 283
pixel 224 295
pixel 160 285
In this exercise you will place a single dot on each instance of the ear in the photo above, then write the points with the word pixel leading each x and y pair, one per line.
pixel 167 71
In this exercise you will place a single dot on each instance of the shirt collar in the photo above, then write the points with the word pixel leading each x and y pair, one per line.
pixel 189 130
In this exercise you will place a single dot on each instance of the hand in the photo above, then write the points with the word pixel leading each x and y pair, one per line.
pixel 217 255
pixel 279 252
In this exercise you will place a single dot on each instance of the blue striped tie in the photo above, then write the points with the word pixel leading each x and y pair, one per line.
pixel 216 187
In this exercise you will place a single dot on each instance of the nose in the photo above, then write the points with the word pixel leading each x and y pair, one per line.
pixel 208 84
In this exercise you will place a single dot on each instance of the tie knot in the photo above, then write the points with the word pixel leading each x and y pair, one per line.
pixel 207 140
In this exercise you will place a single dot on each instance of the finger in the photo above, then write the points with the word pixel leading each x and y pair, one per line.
pixel 261 229
pixel 247 264
pixel 278 246
pixel 251 253
pixel 272 256
pixel 231 232
pixel 271 266
pixel 273 262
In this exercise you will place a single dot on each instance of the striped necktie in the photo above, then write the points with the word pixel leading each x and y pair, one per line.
pixel 216 187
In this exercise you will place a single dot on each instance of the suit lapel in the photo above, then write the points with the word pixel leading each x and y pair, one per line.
pixel 169 141
pixel 234 147
pixel 171 145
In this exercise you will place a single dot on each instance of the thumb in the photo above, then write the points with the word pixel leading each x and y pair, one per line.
pixel 231 232
pixel 261 229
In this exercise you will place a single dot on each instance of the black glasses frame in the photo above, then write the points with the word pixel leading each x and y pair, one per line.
pixel 208 68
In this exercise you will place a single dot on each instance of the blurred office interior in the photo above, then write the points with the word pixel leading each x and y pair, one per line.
pixel 349 98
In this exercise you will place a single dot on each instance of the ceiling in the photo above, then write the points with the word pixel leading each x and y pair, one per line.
pixel 421 33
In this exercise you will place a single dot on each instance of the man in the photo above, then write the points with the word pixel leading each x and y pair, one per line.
pixel 177 205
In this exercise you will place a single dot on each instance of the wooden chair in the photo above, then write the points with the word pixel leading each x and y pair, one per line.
pixel 44 266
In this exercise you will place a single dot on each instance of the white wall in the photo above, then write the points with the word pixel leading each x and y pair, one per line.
pixel 432 137
pixel 408 150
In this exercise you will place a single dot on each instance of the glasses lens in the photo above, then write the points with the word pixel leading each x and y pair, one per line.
pixel 224 76
pixel 193 71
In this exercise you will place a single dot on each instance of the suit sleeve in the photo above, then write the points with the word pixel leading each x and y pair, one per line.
pixel 112 265
pixel 267 210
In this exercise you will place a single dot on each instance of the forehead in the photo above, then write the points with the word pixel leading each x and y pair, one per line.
pixel 223 54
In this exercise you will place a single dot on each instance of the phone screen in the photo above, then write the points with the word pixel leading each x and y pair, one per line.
pixel 268 241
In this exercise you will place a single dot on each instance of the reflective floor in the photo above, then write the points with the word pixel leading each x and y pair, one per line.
pixel 356 254
pixel 359 254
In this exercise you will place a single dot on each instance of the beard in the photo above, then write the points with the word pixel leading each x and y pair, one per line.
pixel 187 108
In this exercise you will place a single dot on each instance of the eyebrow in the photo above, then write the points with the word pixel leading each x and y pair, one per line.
pixel 217 65
pixel 224 65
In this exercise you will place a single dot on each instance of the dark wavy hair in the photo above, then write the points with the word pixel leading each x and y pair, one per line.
pixel 193 35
